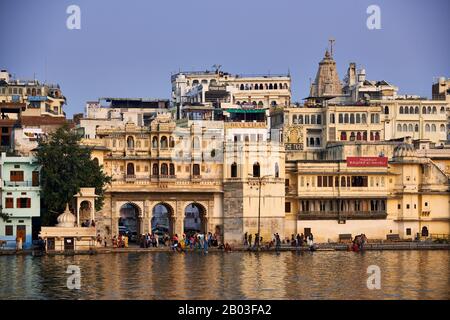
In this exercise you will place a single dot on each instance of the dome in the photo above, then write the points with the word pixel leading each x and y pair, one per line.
pixel 404 150
pixel 66 219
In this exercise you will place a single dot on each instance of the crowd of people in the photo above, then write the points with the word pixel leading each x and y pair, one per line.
pixel 296 241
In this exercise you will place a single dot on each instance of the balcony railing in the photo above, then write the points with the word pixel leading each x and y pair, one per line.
pixel 341 215
pixel 20 184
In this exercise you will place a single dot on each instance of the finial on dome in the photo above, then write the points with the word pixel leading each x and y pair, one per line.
pixel 66 219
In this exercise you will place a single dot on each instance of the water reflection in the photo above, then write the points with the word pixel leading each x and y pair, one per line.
pixel 237 275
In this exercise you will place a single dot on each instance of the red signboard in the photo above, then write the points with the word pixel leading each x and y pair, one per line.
pixel 367 161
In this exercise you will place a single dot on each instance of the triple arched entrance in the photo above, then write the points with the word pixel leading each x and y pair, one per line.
pixel 163 220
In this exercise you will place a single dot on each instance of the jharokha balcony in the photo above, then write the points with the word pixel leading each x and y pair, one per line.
pixel 342 215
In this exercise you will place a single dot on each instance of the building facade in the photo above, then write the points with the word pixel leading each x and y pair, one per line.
pixel 20 196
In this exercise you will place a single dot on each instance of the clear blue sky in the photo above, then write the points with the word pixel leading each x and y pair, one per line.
pixel 129 48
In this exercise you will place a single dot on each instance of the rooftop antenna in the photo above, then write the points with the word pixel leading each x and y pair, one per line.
pixel 331 45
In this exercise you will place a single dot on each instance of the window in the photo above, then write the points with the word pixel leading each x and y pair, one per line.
pixel 442 128
pixel 130 143
pixel 433 128
pixel 23 202
pixel 408 231
pixel 9 202
pixel 359 181
pixel 196 169
pixel 234 170
pixel 130 169
pixel 164 169
pixel 163 142
pixel 277 171
pixel 319 181
pixel 386 110
pixel 427 127
pixel 16 175
pixel 172 169
pixel 287 207
pixel 155 169
pixel 256 170
pixel 9 230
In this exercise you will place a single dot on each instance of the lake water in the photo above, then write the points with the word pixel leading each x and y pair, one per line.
pixel 235 275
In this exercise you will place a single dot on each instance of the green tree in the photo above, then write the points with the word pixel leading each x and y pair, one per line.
pixel 66 166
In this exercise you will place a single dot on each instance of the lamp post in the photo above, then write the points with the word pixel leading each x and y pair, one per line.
pixel 260 182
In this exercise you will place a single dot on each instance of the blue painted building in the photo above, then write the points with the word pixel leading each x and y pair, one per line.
pixel 20 198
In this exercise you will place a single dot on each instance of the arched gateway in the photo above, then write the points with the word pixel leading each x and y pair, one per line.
pixel 194 219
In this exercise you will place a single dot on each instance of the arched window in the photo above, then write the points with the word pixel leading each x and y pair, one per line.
pixel 429 110
pixel 260 104
pixel 196 169
pixel 196 143
pixel 155 169
pixel 234 170
pixel 155 143
pixel 341 118
pixel 410 127
pixel 261 86
pixel 130 169
pixel 401 110
pixel 406 110
pixel 275 86
pixel 171 169
pixel 273 103
pixel 442 110
pixel 130 142
pixel 171 142
pixel 319 119
pixel 433 128
pixel 352 118
pixel 442 128
pixel 163 143
pixel 346 118
pixel 300 119
pixel 358 136
pixel 434 110
pixel 386 110
pixel 399 128
pixel 317 142
pixel 427 128
pixel 424 110
pixel 294 119
pixel 352 136
pixel 241 87
pixel 363 118
pixel 313 119
pixel 358 118
pixel 343 135
pixel 270 86
pixel 405 127
pixel 277 170
pixel 256 170
pixel 416 128
pixel 411 110
pixel 416 110
pixel 164 169
pixel 365 135
pixel 342 181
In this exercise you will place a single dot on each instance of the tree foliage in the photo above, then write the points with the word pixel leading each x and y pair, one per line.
pixel 66 166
